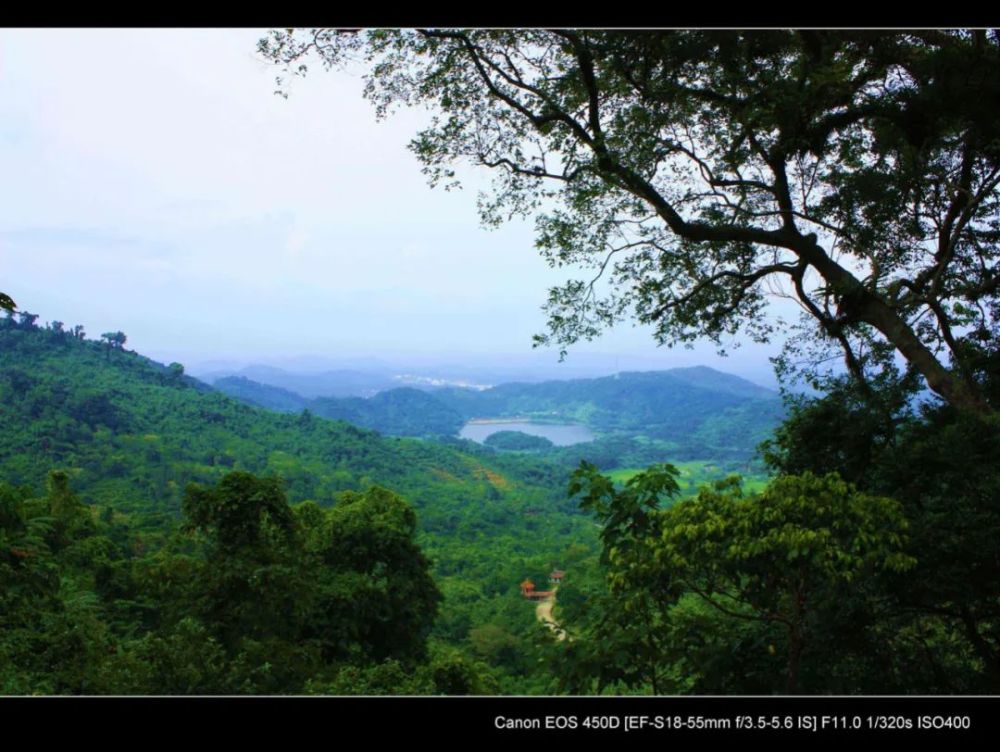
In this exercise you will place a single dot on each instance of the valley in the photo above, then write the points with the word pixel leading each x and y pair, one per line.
pixel 130 436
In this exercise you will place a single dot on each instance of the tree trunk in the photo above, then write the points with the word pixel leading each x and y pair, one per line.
pixel 861 304
pixel 794 658
pixel 949 386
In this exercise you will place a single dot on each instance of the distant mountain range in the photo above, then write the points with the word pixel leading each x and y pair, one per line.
pixel 317 376
pixel 681 406
pixel 334 383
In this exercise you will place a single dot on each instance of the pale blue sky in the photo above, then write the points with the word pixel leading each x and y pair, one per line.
pixel 152 182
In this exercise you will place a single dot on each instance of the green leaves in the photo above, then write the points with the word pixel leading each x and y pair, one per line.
pixel 781 559
pixel 240 512
pixel 628 516
pixel 829 531
pixel 698 173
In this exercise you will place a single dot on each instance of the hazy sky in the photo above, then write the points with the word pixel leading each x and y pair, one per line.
pixel 152 182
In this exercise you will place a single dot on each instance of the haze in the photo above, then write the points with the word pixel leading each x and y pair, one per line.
pixel 152 182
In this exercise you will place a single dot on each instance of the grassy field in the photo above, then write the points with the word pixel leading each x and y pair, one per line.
pixel 695 474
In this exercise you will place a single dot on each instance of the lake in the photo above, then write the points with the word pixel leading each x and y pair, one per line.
pixel 560 434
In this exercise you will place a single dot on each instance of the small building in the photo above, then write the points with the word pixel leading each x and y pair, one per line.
pixel 557 576
pixel 529 592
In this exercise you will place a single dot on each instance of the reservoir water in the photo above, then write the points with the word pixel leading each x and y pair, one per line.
pixel 560 434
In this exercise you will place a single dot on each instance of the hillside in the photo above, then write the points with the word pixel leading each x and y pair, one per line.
pixel 341 382
pixel 692 412
pixel 261 395
pixel 717 413
pixel 396 412
pixel 131 434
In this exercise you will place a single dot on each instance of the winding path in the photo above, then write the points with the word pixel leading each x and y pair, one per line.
pixel 544 614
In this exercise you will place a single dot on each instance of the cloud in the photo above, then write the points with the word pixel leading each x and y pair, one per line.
pixel 153 183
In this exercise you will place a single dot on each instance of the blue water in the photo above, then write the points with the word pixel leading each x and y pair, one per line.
pixel 560 434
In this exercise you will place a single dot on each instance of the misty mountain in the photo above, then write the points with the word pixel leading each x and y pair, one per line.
pixel 334 383
pixel 696 410
pixel 674 405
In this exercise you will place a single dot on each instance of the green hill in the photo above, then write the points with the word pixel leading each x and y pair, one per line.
pixel 261 395
pixel 701 412
pixel 395 412
pixel 692 413
pixel 517 441
pixel 131 434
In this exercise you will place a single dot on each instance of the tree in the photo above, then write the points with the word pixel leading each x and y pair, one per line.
pixel 627 643
pixel 249 587
pixel 241 513
pixel 854 172
pixel 376 586
pixel 846 430
pixel 789 563
pixel 115 340
pixel 940 464
pixel 344 585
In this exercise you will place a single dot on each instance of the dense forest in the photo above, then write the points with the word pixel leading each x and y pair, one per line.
pixel 160 537
pixel 637 418
pixel 130 441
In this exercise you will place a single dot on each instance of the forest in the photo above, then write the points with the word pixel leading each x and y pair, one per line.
pixel 172 540
pixel 124 441
pixel 160 535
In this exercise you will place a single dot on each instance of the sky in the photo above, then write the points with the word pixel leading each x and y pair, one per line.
pixel 152 182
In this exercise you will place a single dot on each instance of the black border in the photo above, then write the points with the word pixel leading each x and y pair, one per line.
pixel 506 15
pixel 332 721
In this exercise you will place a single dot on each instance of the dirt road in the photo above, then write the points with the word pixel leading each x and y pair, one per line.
pixel 544 614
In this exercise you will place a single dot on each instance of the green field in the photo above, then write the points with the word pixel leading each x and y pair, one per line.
pixel 696 473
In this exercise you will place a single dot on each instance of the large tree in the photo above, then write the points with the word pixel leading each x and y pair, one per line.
pixel 698 172
pixel 791 574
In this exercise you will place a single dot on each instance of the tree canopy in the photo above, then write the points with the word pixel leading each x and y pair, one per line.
pixel 700 172
pixel 784 572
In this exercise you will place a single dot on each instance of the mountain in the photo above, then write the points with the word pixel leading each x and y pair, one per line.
pixel 396 412
pixel 332 383
pixel 261 395
pixel 131 434
pixel 695 412
pixel 687 406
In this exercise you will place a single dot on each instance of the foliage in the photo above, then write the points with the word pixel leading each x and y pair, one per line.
pixel 789 575
pixel 275 597
pixel 699 170
pixel 842 431
pixel 626 644
pixel 941 465
pixel 446 673
pixel 517 441
pixel 262 599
